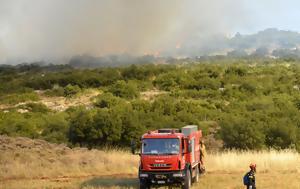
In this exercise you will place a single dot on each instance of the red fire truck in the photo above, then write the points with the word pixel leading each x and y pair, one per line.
pixel 170 157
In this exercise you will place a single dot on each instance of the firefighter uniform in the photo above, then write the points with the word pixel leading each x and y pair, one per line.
pixel 202 155
pixel 251 177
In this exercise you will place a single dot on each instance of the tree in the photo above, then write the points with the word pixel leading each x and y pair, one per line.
pixel 131 127
pixel 242 133
pixel 56 128
pixel 107 128
pixel 81 125
pixel 282 134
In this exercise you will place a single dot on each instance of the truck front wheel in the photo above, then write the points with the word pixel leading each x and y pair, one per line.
pixel 144 185
pixel 187 180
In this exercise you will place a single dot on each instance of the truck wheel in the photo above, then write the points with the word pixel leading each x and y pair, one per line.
pixel 144 185
pixel 197 172
pixel 187 180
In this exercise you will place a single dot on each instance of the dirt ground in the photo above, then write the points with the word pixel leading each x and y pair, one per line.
pixel 210 180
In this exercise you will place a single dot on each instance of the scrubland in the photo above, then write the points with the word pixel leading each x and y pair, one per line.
pixel 26 163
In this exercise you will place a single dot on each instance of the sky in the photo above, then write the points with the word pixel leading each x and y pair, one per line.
pixel 281 14
pixel 33 30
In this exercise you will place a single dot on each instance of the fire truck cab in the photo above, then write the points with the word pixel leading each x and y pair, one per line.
pixel 170 157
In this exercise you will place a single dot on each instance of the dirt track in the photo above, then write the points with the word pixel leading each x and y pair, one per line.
pixel 71 182
pixel 66 178
pixel 210 180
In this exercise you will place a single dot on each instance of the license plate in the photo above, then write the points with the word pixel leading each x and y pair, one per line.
pixel 161 176
pixel 161 182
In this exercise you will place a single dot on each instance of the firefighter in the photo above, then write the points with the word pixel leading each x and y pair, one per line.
pixel 202 155
pixel 250 177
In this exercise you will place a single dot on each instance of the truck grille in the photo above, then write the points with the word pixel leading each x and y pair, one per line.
pixel 160 166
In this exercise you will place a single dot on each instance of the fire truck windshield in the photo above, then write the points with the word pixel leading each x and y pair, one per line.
pixel 159 146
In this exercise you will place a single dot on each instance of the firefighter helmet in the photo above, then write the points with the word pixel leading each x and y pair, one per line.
pixel 252 166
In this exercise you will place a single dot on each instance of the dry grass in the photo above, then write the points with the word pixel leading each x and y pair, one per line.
pixel 26 163
pixel 85 98
pixel 24 158
pixel 267 161
pixel 275 169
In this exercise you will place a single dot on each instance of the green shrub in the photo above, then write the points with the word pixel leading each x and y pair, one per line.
pixel 16 124
pixel 18 98
pixel 282 134
pixel 107 100
pixel 71 90
pixel 242 133
pixel 56 128
pixel 81 127
pixel 55 91
pixel 124 89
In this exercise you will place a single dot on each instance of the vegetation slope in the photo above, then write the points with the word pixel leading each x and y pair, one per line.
pixel 245 104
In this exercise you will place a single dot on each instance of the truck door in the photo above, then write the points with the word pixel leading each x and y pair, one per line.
pixel 193 150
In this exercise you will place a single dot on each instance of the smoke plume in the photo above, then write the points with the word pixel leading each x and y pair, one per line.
pixel 42 29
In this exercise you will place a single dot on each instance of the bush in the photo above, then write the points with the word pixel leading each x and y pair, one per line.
pixel 56 128
pixel 94 128
pixel 107 100
pixel 81 127
pixel 71 90
pixel 122 89
pixel 18 98
pixel 16 124
pixel 55 91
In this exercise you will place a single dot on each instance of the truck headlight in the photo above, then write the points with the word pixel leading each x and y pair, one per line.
pixel 177 175
pixel 143 175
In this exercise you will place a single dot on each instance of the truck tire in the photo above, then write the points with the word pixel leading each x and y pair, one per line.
pixel 187 180
pixel 144 185
pixel 197 173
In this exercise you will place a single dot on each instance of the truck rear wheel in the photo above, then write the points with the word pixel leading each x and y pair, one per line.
pixel 197 173
pixel 187 180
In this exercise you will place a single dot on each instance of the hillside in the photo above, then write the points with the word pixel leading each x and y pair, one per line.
pixel 271 38
pixel 270 42
pixel 242 104
pixel 30 164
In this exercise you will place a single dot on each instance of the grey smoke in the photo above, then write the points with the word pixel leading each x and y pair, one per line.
pixel 43 29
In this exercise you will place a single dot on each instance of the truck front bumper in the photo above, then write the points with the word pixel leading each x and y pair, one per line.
pixel 162 178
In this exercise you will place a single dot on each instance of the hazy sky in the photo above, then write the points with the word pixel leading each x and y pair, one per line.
pixel 282 14
pixel 32 30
